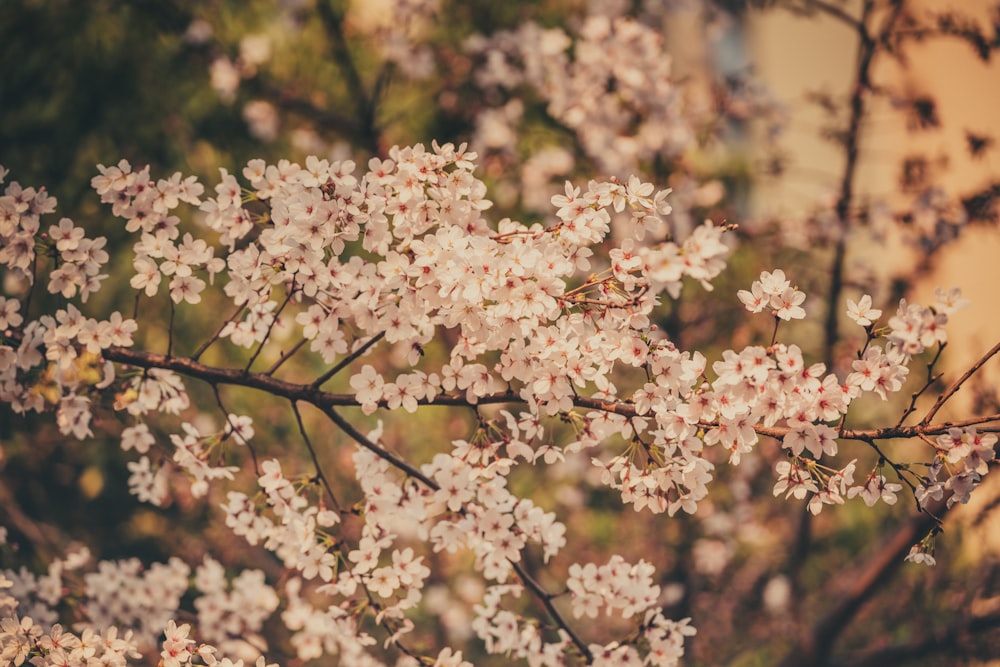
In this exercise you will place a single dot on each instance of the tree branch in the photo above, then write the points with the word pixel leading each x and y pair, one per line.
pixel 813 649
pixel 951 639
pixel 308 393
pixel 957 384
pixel 862 82
pixel 365 103
pixel 532 585
pixel 321 380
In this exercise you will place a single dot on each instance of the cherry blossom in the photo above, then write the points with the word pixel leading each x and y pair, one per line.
pixel 550 344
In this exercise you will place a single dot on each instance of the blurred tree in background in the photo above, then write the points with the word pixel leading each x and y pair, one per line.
pixel 544 92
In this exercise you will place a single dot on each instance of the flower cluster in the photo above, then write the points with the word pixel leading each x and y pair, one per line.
pixel 964 456
pixel 294 537
pixel 643 119
pixel 125 608
pixel 617 587
pixel 556 317
pixel 180 650
pixel 773 291
pixel 58 363
pixel 78 259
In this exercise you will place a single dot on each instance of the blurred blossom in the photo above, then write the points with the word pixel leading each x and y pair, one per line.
pixel 225 78
pixel 709 194
pixel 306 140
pixel 570 497
pixel 198 32
pixel 262 118
pixel 415 63
pixel 494 127
pixel 710 556
pixel 673 593
pixel 255 49
pixel 777 594
pixel 454 615
pixel 537 174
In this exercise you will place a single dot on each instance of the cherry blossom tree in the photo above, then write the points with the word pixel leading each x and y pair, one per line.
pixel 404 410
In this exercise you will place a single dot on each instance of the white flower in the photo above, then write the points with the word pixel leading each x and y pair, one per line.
pixel 788 304
pixel 862 311
pixel 919 554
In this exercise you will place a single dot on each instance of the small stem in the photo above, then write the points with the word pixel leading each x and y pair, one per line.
pixel 270 328
pixel 321 380
pixel 225 414
pixel 957 384
pixel 204 346
pixel 283 357
pixel 378 451
pixel 897 468
pixel 315 458
pixel 170 330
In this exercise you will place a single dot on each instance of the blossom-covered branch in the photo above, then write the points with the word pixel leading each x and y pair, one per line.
pixel 545 331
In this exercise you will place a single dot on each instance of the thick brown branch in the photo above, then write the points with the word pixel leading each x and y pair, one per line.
pixel 324 400
pixel 813 649
pixel 952 640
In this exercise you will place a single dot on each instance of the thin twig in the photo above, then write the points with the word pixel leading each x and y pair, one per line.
pixel 378 451
pixel 285 356
pixel 321 380
pixel 546 599
pixel 170 330
pixel 270 327
pixel 931 379
pixel 534 586
pixel 214 337
pixel 835 12
pixel 315 459
pixel 957 384
pixel 899 469
pixel 225 413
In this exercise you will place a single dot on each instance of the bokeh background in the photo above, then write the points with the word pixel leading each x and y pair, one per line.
pixel 746 122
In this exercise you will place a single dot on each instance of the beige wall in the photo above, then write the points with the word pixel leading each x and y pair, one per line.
pixel 795 55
